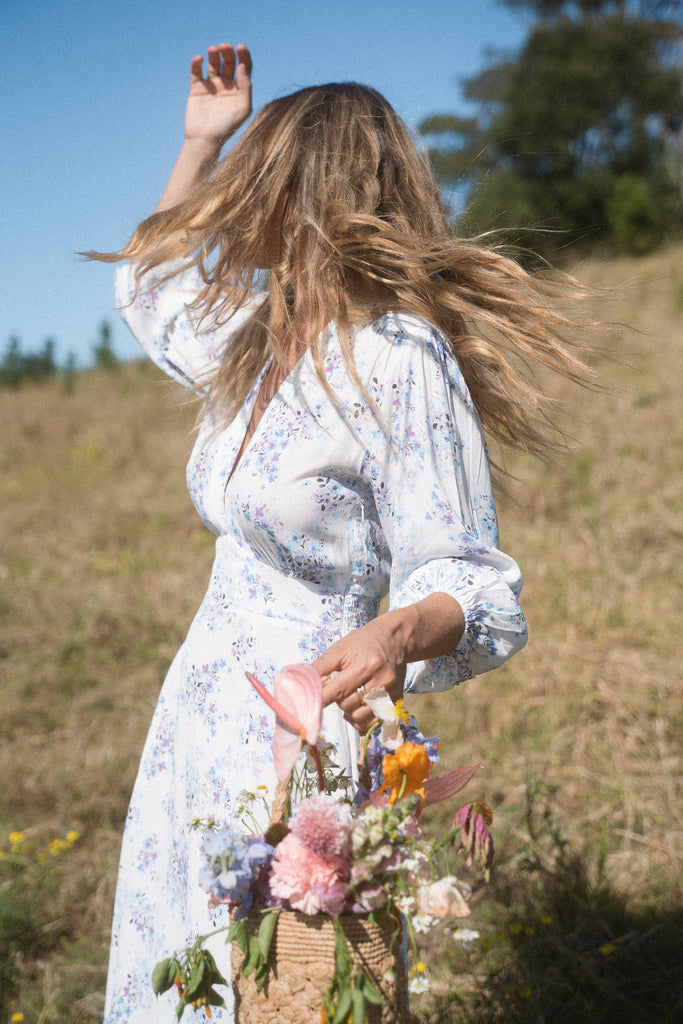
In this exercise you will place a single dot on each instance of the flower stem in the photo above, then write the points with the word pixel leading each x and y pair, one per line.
pixel 315 754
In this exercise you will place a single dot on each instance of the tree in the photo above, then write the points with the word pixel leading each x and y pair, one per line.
pixel 594 96
pixel 12 366
pixel 15 367
pixel 105 358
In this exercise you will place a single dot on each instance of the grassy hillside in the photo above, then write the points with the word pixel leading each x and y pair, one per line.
pixel 103 562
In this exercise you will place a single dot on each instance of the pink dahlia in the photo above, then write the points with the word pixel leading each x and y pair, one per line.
pixel 323 825
pixel 308 882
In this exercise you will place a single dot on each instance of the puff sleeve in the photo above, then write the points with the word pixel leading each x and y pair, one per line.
pixel 426 460
pixel 159 318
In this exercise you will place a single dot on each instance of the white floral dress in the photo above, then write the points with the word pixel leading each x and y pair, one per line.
pixel 331 504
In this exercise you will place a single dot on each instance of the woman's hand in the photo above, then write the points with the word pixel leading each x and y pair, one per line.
pixel 373 656
pixel 376 655
pixel 218 104
pixel 216 107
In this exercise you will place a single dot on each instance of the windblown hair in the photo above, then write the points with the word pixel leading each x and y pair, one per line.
pixel 362 231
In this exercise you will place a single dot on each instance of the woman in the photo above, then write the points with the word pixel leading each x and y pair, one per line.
pixel 340 454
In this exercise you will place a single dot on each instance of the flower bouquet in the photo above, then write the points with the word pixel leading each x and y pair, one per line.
pixel 326 898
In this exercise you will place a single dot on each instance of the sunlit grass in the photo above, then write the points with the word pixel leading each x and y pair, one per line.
pixel 103 562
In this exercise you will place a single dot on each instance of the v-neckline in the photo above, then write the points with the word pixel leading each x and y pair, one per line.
pixel 248 439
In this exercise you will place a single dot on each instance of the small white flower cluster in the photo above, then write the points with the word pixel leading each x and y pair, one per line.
pixel 465 935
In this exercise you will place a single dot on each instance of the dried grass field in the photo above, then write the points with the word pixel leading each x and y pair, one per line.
pixel 103 562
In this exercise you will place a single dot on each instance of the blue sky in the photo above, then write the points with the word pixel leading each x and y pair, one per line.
pixel 94 94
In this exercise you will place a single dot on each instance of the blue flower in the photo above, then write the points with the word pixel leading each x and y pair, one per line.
pixel 232 864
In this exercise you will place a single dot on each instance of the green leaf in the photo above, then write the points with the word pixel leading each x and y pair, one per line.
pixel 358 1001
pixel 215 976
pixel 194 983
pixel 239 932
pixel 343 1008
pixel 266 931
pixel 215 998
pixel 370 990
pixel 163 975
pixel 180 1008
pixel 342 958
pixel 253 958
pixel 260 975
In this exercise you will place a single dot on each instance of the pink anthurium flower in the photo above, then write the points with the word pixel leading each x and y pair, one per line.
pixel 297 701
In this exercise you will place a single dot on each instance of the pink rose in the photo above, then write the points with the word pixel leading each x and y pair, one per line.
pixel 445 898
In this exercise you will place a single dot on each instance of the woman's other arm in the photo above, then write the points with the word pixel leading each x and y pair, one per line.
pixel 216 107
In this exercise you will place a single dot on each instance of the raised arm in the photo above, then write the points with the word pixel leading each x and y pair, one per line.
pixel 216 107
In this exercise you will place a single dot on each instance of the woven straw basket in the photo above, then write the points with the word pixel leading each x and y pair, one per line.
pixel 301 964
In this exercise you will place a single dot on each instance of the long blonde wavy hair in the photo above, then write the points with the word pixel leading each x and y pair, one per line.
pixel 362 230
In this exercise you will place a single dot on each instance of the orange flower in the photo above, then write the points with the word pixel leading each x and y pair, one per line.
pixel 405 771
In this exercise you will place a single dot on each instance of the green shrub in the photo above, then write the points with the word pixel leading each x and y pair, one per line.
pixel 634 217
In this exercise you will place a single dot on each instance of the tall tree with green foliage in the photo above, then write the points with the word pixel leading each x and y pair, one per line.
pixel 105 357
pixel 580 133
pixel 17 367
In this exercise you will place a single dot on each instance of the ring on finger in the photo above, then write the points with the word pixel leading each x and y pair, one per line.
pixel 361 691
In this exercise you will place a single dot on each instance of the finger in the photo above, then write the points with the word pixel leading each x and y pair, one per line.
pixel 361 720
pixel 214 61
pixel 345 683
pixel 244 67
pixel 328 662
pixel 353 702
pixel 341 686
pixel 228 54
pixel 196 69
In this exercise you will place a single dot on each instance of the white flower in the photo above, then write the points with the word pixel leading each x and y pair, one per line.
pixel 383 707
pixel 465 935
pixel 405 903
pixel 418 985
pixel 422 923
